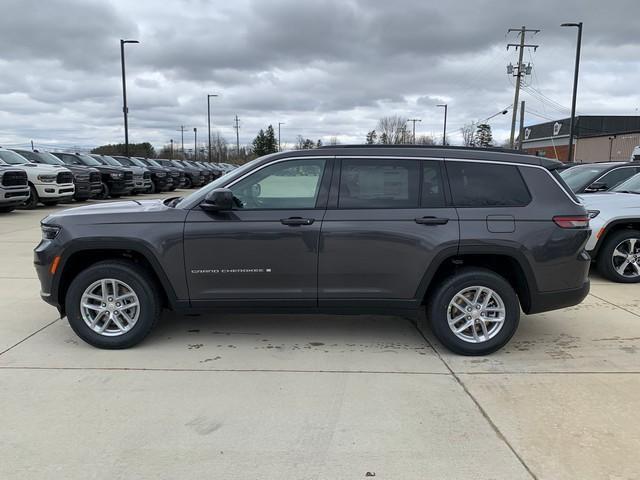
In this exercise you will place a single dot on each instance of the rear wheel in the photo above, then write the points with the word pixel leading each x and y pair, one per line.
pixel 112 304
pixel 474 312
pixel 619 258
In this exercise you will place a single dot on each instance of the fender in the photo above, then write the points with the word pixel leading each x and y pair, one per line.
pixel 608 228
pixel 134 245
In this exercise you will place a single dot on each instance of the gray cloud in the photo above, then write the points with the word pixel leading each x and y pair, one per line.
pixel 324 68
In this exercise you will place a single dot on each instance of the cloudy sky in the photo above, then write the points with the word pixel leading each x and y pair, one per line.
pixel 324 68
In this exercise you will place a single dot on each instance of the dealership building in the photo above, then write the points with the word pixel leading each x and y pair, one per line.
pixel 597 138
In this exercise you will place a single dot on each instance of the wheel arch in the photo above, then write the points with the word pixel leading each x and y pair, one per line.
pixel 615 226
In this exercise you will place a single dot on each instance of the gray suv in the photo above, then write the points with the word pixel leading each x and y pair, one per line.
pixel 468 237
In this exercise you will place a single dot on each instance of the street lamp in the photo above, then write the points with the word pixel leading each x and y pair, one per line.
pixel 279 123
pixel 195 144
pixel 575 88
pixel 209 120
pixel 444 130
pixel 125 110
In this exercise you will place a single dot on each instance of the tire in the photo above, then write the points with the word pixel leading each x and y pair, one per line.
pixel 133 277
pixel 104 193
pixel 50 203
pixel 439 310
pixel 620 241
pixel 7 209
pixel 31 202
pixel 115 196
pixel 187 183
pixel 153 188
pixel 80 200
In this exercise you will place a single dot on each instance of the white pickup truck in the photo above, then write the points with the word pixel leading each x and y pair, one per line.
pixel 48 184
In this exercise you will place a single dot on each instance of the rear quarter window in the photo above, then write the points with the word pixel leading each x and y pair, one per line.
pixel 477 184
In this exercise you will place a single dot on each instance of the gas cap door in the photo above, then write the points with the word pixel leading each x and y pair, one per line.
pixel 501 223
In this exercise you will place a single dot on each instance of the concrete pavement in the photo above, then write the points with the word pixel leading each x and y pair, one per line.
pixel 314 397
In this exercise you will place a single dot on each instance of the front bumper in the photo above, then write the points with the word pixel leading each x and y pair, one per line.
pixel 10 196
pixel 55 190
pixel 163 184
pixel 83 190
pixel 120 187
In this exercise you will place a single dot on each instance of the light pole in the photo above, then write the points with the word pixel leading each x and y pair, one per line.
pixel 575 88
pixel 279 123
pixel 171 152
pixel 195 144
pixel 209 120
pixel 125 110
pixel 444 130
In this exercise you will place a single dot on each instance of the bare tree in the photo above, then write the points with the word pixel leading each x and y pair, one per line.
pixel 425 140
pixel 334 141
pixel 469 134
pixel 392 129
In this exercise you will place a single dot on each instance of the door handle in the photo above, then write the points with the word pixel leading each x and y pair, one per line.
pixel 432 221
pixel 296 221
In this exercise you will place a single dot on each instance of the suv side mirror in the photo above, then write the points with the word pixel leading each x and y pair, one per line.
pixel 597 187
pixel 218 200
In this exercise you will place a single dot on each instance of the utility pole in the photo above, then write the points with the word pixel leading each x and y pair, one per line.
pixel 575 88
pixel 521 134
pixel 519 73
pixel 279 123
pixel 171 152
pixel 237 127
pixel 32 146
pixel 195 144
pixel 444 129
pixel 209 120
pixel 414 120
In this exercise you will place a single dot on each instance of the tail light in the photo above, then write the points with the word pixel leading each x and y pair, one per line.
pixel 572 221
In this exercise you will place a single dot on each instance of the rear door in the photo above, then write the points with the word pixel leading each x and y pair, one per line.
pixel 388 220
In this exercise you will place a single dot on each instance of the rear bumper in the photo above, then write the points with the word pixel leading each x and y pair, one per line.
pixel 546 301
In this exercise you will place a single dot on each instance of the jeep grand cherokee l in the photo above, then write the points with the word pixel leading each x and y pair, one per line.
pixel 469 235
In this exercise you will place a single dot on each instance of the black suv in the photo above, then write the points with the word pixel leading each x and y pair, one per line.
pixel 467 236
pixel 598 177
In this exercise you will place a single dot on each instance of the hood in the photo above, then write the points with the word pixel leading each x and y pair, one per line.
pixel 618 200
pixel 143 211
pixel 41 168
pixel 111 169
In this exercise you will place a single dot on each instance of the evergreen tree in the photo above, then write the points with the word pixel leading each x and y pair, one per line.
pixel 372 137
pixel 259 144
pixel 271 143
pixel 483 136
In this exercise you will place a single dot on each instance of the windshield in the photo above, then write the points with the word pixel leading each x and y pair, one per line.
pixel 88 160
pixel 111 161
pixel 12 158
pixel 46 157
pixel 630 185
pixel 191 200
pixel 127 162
pixel 579 177
pixel 136 162
pixel 154 163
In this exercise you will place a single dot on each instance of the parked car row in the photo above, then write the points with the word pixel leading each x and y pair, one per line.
pixel 29 178
pixel 611 193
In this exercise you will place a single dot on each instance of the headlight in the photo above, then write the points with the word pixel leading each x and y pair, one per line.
pixel 161 174
pixel 47 178
pixel 116 175
pixel 593 213
pixel 49 232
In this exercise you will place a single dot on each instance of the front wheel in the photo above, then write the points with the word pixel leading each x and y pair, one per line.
pixel 112 304
pixel 619 257
pixel 187 183
pixel 474 312
pixel 7 209
pixel 50 203
pixel 31 202
pixel 104 193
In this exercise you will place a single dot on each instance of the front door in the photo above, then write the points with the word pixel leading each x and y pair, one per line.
pixel 265 249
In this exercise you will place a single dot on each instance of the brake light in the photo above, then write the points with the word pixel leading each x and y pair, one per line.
pixel 572 221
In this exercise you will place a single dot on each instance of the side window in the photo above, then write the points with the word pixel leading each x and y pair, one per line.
pixel 285 185
pixel 619 175
pixel 379 183
pixel 432 186
pixel 477 184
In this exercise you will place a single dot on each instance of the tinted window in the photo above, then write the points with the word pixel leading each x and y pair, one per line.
pixel 432 186
pixel 379 184
pixel 475 184
pixel 579 177
pixel 284 185
pixel 614 177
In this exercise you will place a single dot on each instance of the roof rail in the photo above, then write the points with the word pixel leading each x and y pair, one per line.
pixel 438 147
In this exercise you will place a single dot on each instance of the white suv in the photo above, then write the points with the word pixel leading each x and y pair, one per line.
pixel 48 184
pixel 615 236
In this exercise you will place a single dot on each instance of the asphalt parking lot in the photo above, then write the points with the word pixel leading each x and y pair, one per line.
pixel 314 397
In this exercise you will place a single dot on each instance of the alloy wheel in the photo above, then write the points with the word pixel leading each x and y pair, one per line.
pixel 626 258
pixel 476 314
pixel 110 307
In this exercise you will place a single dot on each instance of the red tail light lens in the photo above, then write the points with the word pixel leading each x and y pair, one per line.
pixel 573 221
